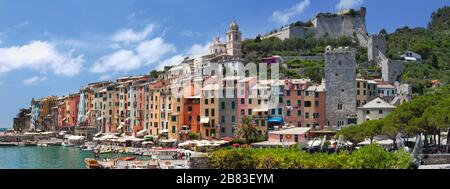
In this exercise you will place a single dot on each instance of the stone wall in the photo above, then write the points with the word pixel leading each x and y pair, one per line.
pixel 340 77
pixel 433 159
pixel 199 163
pixel 391 70
pixel 376 45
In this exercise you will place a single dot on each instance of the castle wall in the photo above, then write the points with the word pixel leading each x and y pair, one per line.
pixel 376 44
pixel 337 26
pixel 391 70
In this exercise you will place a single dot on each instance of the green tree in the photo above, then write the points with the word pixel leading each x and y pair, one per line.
pixel 247 130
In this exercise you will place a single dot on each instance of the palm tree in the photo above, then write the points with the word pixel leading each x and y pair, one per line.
pixel 247 130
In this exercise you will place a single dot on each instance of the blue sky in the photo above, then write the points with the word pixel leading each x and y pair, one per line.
pixel 54 47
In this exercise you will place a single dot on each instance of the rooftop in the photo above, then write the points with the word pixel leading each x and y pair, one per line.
pixel 292 131
pixel 378 103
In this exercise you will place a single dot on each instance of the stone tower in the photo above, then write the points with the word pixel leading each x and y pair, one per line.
pixel 340 78
pixel 376 45
pixel 234 40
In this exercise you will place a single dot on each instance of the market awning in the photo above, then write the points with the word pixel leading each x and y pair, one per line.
pixel 261 110
pixel 98 134
pixel 142 133
pixel 204 119
pixel 275 120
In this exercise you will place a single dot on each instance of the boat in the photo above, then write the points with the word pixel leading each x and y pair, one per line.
pixel 67 144
pixel 92 164
pixel 105 151
pixel 127 158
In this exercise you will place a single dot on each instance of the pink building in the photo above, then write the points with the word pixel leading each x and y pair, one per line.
pixel 294 93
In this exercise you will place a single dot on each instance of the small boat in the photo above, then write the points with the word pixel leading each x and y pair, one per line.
pixel 127 158
pixel 92 164
pixel 105 151
pixel 67 144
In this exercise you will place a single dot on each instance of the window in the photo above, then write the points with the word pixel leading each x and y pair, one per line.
pixel 364 85
pixel 307 115
pixel 206 112
pixel 242 101
pixel 174 118
pixel 357 92
pixel 288 113
pixel 233 105
pixel 296 138
pixel 223 105
pixel 213 112
pixel 281 138
pixel 190 118
pixel 249 101
pixel 280 111
pixel 306 93
pixel 288 102
pixel 189 108
pixel 222 129
pixel 340 63
pixel 178 109
pixel 288 93
pixel 307 103
pixel 233 119
pixel 357 84
pixel 367 111
pixel 223 119
pixel 299 103
pixel 317 103
pixel 249 111
pixel 280 100
pixel 316 115
pixel 242 112
pixel 380 111
pixel 212 100
pixel 206 101
pixel 339 106
pixel 259 101
pixel 299 113
pixel 299 93
pixel 272 111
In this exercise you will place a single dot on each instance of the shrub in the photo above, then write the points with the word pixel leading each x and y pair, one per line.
pixel 369 157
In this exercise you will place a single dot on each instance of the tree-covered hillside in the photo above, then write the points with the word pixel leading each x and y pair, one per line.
pixel 433 43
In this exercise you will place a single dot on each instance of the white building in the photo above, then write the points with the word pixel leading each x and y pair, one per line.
pixel 410 56
pixel 374 110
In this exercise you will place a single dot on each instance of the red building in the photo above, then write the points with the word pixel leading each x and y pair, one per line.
pixel 74 100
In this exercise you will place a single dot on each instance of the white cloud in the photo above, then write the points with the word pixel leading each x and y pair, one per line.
pixel 188 33
pixel 105 77
pixel 174 60
pixel 348 4
pixel 123 60
pixel 34 80
pixel 285 16
pixel 198 49
pixel 194 51
pixel 42 56
pixel 153 50
pixel 129 35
